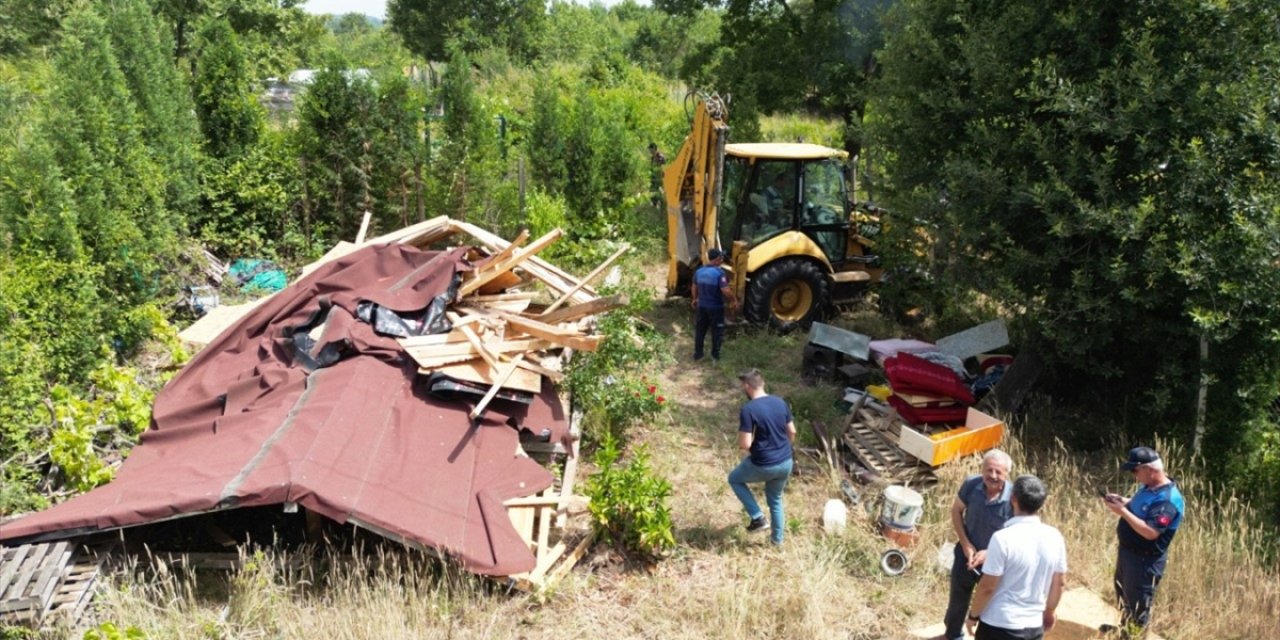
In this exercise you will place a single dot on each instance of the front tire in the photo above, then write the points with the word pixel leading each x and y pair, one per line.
pixel 787 294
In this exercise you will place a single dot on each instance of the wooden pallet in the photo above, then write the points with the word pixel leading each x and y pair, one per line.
pixel 37 580
pixel 873 444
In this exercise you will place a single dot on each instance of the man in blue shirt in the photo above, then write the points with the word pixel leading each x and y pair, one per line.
pixel 710 293
pixel 981 507
pixel 765 432
pixel 1147 524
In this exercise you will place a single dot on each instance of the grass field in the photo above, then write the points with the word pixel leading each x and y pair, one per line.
pixel 720 582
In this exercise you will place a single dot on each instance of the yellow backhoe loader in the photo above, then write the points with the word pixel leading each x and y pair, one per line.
pixel 781 212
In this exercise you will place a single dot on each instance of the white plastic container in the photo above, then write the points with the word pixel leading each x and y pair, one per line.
pixel 834 517
pixel 902 507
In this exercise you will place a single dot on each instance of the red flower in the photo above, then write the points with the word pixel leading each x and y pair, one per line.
pixel 661 399
pixel 652 389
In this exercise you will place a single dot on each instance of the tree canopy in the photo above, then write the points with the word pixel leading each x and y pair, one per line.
pixel 1107 170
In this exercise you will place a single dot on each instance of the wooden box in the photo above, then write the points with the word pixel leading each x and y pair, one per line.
pixel 979 433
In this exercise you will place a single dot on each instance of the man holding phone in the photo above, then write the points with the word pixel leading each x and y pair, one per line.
pixel 1148 522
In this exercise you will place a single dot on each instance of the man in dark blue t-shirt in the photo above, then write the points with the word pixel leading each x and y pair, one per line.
pixel 710 293
pixel 765 431
pixel 1147 524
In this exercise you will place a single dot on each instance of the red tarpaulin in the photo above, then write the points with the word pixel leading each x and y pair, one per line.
pixel 246 424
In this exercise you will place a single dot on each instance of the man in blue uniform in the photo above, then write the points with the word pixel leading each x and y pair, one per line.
pixel 1148 522
pixel 710 294
pixel 765 433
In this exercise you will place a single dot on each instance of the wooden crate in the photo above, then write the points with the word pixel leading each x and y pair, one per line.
pixel 979 433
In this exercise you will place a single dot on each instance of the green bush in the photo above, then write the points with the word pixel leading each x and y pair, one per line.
pixel 629 503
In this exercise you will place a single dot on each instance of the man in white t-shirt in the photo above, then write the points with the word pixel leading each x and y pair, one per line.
pixel 1022 577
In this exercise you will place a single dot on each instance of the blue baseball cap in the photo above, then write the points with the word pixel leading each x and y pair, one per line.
pixel 1139 456
pixel 714 254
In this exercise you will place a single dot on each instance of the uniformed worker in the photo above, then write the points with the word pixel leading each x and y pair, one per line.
pixel 1148 522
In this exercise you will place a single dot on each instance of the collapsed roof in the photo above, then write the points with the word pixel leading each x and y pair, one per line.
pixel 316 397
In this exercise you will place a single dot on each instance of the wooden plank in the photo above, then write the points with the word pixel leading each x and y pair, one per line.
pixel 510 263
pixel 545 515
pixel 474 339
pixel 29 567
pixel 564 297
pixel 597 306
pixel 55 567
pixel 550 333
pixel 546 562
pixel 570 468
pixel 556 376
pixel 497 384
pixel 522 520
pixel 433 339
pixel 480 372
pixel 409 233
pixel 364 226
pixel 12 563
pixel 544 271
pixel 566 565
pixel 469 350
pixel 11 605
pixel 505 253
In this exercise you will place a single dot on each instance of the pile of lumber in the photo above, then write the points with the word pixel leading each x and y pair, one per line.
pixel 866 447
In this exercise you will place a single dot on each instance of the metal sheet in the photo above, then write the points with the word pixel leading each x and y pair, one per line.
pixel 980 339
pixel 844 341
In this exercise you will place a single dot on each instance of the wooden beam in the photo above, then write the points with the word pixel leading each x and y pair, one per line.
pixel 496 269
pixel 405 235
pixel 506 253
pixel 493 391
pixel 586 279
pixel 578 311
pixel 474 339
pixel 570 468
pixel 550 333
pixel 549 274
pixel 364 226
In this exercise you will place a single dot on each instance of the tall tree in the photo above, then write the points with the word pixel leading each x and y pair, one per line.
pixel 1109 171
pixel 781 55
pixel 427 26
pixel 93 129
pixel 169 126
pixel 230 116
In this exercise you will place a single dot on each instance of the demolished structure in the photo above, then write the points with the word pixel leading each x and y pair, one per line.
pixel 392 387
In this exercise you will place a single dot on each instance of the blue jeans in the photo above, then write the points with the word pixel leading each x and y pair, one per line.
pixel 774 479
pixel 713 320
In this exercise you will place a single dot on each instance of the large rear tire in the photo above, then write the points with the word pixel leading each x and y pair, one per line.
pixel 787 294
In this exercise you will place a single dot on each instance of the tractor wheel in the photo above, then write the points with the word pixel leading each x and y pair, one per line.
pixel 787 294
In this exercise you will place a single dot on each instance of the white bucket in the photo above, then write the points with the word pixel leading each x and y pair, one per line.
pixel 902 507
pixel 834 517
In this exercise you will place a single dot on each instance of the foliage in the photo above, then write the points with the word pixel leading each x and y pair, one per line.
pixel 628 502
pixel 117 406
pixel 609 382
pixel 163 99
pixel 230 117
pixel 26 24
pixel 250 202
pixel 818 56
pixel 109 631
pixel 1110 175
pixel 428 26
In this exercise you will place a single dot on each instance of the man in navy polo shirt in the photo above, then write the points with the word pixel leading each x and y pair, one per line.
pixel 1147 524
pixel 981 508
pixel 710 293
pixel 765 432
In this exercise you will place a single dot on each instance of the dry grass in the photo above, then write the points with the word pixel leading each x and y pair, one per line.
pixel 720 583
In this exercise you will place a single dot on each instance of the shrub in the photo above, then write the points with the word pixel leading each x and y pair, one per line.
pixel 628 502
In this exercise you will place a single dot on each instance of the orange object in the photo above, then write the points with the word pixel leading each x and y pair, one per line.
pixel 979 433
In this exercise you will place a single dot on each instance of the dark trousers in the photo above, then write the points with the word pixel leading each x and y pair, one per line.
pixel 1137 577
pixel 988 632
pixel 963 580
pixel 712 319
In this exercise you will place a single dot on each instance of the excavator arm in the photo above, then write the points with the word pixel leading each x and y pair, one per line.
pixel 692 184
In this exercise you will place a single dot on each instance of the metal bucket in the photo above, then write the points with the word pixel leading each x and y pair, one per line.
pixel 902 507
